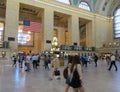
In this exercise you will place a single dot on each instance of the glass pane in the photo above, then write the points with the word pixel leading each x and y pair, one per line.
pixel 84 5
pixel 117 28
pixel 117 32
pixel 117 19
pixel 117 12
pixel 117 23
pixel 64 1
pixel 117 36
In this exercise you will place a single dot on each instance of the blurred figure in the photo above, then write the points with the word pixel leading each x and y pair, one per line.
pixel 55 63
pixel 113 60
pixel 46 59
pixel 85 60
pixel 27 62
pixel 95 59
pixel 76 71
pixel 49 62
pixel 14 59
pixel 68 71
pixel 21 59
pixel 34 61
pixel 108 59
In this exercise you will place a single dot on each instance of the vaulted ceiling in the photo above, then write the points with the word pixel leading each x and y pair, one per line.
pixel 104 7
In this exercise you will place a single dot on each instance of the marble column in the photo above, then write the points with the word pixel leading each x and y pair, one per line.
pixel 11 23
pixel 73 29
pixel 47 28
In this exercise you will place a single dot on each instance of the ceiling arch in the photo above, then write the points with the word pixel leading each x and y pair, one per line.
pixel 113 6
pixel 104 7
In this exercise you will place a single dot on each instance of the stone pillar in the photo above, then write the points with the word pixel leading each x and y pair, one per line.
pixel 11 23
pixel 94 31
pixel 73 29
pixel 48 28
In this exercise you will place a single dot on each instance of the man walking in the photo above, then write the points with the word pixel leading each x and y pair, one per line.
pixel 112 62
pixel 95 59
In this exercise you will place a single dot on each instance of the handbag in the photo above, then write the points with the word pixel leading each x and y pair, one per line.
pixel 65 73
pixel 57 72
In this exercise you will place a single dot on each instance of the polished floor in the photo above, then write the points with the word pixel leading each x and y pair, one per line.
pixel 95 79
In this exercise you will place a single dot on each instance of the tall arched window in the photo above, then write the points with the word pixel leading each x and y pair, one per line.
pixel 84 6
pixel 117 23
pixel 64 1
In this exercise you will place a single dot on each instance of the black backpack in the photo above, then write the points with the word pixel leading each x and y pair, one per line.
pixel 65 73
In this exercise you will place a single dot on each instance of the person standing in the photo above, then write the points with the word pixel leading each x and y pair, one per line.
pixel 27 62
pixel 46 62
pixel 21 59
pixel 14 59
pixel 49 61
pixel 113 60
pixel 108 60
pixel 34 61
pixel 95 59
pixel 85 60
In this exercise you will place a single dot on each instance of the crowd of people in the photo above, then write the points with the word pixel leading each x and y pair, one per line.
pixel 26 59
pixel 74 68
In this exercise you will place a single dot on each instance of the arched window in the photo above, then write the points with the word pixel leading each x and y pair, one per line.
pixel 64 1
pixel 117 23
pixel 84 6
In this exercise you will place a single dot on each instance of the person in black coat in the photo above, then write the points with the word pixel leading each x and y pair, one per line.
pixel 95 59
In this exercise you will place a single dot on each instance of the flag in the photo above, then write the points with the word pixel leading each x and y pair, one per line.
pixel 31 26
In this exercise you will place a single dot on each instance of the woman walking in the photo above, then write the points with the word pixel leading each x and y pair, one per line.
pixel 76 79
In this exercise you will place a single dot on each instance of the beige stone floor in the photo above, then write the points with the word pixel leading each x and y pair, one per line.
pixel 95 79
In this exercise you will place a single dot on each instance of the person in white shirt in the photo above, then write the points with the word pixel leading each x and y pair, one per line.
pixel 34 61
pixel 27 62
pixel 113 59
